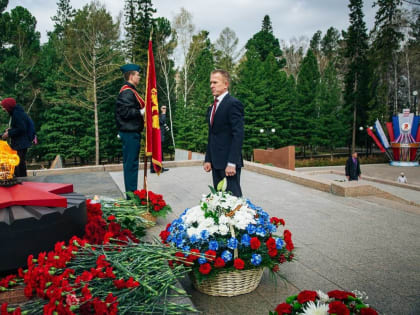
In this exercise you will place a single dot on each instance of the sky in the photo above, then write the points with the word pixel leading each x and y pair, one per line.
pixel 290 18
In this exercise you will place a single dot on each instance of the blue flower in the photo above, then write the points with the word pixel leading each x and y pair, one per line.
pixel 261 220
pixel 179 243
pixel 202 260
pixel 186 248
pixel 251 229
pixel 256 259
pixel 245 239
pixel 279 243
pixel 271 228
pixel 193 239
pixel 260 231
pixel 171 228
pixel 213 245
pixel 181 227
pixel 232 243
pixel 226 256
pixel 185 211
pixel 204 234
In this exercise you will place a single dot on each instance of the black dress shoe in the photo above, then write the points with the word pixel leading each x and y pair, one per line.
pixel 165 169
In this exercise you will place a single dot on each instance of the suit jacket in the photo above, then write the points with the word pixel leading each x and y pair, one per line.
pixel 353 170
pixel 226 135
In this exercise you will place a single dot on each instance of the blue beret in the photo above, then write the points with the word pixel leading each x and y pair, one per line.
pixel 130 67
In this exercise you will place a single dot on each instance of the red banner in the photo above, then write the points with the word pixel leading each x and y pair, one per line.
pixel 153 143
pixel 378 143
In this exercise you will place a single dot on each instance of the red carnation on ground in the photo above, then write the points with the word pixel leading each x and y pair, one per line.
pixel 164 235
pixel 194 254
pixel 275 268
pixel 238 264
pixel 205 268
pixel 284 308
pixel 273 252
pixel 255 243
pixel 338 308
pixel 219 262
pixel 340 295
pixel 368 311
pixel 306 296
pixel 271 243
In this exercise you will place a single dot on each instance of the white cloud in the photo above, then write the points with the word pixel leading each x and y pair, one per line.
pixel 290 18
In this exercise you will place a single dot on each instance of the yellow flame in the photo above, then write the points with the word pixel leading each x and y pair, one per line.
pixel 8 161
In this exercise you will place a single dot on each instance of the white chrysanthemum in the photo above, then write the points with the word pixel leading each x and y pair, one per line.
pixel 192 231
pixel 225 220
pixel 315 309
pixel 323 297
pixel 213 229
pixel 223 229
pixel 195 214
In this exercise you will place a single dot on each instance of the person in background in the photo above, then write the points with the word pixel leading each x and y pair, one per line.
pixel 129 111
pixel 226 134
pixel 402 179
pixel 18 132
pixel 163 128
pixel 353 168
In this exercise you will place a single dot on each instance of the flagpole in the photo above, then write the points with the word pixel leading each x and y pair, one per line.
pixel 145 155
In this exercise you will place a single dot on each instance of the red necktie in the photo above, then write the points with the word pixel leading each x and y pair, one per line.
pixel 213 111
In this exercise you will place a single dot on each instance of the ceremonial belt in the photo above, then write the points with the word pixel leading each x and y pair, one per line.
pixel 139 99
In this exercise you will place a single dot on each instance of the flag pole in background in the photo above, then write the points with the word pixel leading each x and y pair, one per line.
pixel 153 140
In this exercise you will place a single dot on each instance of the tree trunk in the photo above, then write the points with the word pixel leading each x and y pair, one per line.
pixel 353 138
pixel 95 109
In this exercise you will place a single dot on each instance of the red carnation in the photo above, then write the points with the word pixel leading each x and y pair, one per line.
pixel 219 262
pixel 255 243
pixel 111 218
pixel 194 254
pixel 210 255
pixel 338 308
pixel 368 311
pixel 284 308
pixel 340 295
pixel 306 296
pixel 164 235
pixel 238 264
pixel 275 268
pixel 205 268
pixel 273 252
pixel 282 222
pixel 271 243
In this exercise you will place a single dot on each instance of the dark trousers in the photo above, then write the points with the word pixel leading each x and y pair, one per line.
pixel 20 170
pixel 233 182
pixel 131 150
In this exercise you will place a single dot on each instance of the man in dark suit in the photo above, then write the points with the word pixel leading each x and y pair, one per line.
pixel 353 168
pixel 226 134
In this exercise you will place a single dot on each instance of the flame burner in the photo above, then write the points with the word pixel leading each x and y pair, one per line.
pixel 8 161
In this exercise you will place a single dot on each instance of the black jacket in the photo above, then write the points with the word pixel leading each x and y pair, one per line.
pixel 353 170
pixel 127 112
pixel 226 135
pixel 19 127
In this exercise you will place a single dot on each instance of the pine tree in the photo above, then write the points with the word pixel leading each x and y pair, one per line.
pixel 306 112
pixel 356 77
pixel 264 42
pixel 329 131
pixel 387 37
pixel 64 14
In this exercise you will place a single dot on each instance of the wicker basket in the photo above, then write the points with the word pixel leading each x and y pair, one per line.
pixel 15 296
pixel 149 217
pixel 230 283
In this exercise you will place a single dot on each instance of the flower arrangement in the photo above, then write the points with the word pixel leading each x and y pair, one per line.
pixel 226 233
pixel 154 203
pixel 117 275
pixel 319 303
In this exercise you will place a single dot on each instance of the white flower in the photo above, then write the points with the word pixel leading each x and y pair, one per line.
pixel 323 297
pixel 223 229
pixel 315 309
pixel 192 231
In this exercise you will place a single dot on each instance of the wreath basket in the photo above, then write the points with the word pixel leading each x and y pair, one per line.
pixel 15 296
pixel 230 283
pixel 146 215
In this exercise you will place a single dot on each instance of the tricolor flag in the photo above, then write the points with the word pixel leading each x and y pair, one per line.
pixel 381 134
pixel 378 143
pixel 153 142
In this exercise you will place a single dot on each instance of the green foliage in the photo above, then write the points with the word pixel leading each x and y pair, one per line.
pixel 329 131
pixel 265 43
pixel 306 112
